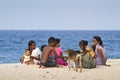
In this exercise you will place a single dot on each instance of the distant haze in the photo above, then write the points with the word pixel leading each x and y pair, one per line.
pixel 60 15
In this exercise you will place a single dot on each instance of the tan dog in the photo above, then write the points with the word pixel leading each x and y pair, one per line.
pixel 76 57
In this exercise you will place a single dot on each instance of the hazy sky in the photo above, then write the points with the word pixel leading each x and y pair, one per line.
pixel 60 14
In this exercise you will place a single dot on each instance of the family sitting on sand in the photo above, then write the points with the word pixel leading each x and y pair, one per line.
pixel 51 55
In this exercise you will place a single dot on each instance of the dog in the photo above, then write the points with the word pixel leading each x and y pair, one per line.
pixel 76 57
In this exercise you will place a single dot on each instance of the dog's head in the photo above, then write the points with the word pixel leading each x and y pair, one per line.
pixel 70 51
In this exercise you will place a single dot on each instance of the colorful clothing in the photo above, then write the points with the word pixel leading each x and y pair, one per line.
pixel 92 54
pixel 60 60
pixel 59 53
pixel 88 62
pixel 98 59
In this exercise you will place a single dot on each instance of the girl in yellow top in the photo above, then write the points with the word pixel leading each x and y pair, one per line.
pixel 89 49
pixel 88 56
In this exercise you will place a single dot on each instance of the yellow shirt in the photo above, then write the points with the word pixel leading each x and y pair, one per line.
pixel 92 54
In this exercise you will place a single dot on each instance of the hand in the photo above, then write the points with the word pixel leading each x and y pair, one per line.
pixel 108 65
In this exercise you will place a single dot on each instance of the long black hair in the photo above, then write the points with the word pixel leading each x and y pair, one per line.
pixel 98 39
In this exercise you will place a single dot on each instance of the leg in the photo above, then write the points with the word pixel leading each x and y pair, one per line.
pixel 49 63
pixel 69 63
pixel 76 65
pixel 80 60
pixel 27 62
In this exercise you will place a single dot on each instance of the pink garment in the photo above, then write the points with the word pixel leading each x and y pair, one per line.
pixel 60 60
pixel 59 53
pixel 98 59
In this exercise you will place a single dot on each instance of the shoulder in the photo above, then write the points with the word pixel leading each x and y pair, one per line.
pixel 88 48
pixel 60 49
pixel 47 47
pixel 99 47
pixel 37 49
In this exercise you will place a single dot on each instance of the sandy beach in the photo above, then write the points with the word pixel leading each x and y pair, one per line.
pixel 19 71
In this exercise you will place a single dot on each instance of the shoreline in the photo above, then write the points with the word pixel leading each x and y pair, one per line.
pixel 17 71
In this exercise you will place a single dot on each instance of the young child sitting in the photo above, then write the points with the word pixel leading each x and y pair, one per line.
pixel 26 57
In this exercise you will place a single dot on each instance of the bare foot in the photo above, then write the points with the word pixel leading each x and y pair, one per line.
pixel 108 65
pixel 40 66
pixel 43 67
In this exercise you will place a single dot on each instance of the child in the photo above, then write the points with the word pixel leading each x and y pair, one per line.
pixel 59 53
pixel 42 47
pixel 26 57
pixel 89 49
pixel 88 60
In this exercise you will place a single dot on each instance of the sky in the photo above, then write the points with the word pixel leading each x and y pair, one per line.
pixel 59 14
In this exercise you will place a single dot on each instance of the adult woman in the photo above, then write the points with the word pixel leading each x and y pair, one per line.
pixel 101 55
pixel 35 52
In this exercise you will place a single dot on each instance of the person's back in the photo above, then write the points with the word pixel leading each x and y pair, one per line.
pixel 46 53
pixel 101 56
pixel 98 58
pixel 45 62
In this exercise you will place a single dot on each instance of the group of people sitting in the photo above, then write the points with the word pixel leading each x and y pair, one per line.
pixel 51 55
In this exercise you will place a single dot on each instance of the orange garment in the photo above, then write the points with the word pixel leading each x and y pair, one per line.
pixel 92 54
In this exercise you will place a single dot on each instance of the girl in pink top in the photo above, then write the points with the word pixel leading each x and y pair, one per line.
pixel 59 53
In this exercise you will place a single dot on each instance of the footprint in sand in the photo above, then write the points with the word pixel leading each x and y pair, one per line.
pixel 43 76
pixel 48 72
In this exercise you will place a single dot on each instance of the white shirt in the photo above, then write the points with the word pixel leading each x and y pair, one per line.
pixel 35 53
pixel 26 58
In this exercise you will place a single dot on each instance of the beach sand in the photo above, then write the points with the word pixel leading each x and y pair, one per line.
pixel 19 71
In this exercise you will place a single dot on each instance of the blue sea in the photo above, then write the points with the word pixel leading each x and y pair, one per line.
pixel 14 42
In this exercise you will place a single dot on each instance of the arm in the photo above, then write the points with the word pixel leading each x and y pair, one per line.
pixel 92 54
pixel 37 58
pixel 83 53
pixel 22 59
pixel 100 53
pixel 36 54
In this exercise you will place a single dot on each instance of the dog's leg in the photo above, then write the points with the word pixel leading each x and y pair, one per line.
pixel 76 65
pixel 80 63
pixel 69 63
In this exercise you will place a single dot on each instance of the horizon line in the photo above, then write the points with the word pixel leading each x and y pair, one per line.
pixel 60 29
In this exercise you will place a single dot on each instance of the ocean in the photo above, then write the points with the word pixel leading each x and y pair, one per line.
pixel 14 42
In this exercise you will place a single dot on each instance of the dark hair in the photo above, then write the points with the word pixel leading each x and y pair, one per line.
pixel 30 43
pixel 98 39
pixel 83 43
pixel 42 47
pixel 51 40
pixel 57 40
pixel 27 50
pixel 86 42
